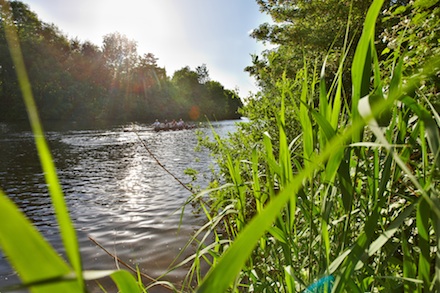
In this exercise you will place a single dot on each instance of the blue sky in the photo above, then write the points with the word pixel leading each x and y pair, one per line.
pixel 178 32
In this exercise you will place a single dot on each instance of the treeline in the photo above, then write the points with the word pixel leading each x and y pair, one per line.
pixel 307 38
pixel 75 80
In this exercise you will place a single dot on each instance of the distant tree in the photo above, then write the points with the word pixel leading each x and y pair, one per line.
pixel 148 73
pixel 148 60
pixel 11 105
pixel 202 74
pixel 207 98
pixel 120 52
pixel 80 81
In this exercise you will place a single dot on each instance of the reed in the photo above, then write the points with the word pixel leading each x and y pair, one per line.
pixel 343 206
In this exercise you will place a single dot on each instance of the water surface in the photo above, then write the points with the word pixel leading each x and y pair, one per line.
pixel 115 191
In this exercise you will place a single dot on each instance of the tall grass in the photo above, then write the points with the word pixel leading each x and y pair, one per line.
pixel 353 211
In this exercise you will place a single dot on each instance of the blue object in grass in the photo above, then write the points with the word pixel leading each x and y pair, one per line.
pixel 323 285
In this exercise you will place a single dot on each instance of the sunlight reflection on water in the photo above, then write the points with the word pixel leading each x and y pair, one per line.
pixel 116 192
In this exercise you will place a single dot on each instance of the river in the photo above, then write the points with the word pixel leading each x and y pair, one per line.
pixel 115 190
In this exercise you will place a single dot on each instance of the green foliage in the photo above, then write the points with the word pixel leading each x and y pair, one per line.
pixel 321 30
pixel 20 240
pixel 199 96
pixel 414 34
pixel 318 187
pixel 81 81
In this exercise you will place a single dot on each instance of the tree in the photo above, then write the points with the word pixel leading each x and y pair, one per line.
pixel 309 30
pixel 202 96
pixel 148 73
pixel 80 81
pixel 120 53
pixel 203 74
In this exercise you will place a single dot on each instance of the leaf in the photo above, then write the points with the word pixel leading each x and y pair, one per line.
pixel 324 125
pixel 388 233
pixel 28 252
pixel 432 129
pixel 425 3
pixel 408 267
pixel 306 124
pixel 357 255
pixel 126 282
pixel 423 215
pixel 345 182
pixel 335 160
pixel 289 278
pixel 278 234
pixel 361 67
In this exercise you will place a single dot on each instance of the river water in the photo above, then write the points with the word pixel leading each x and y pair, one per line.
pixel 115 190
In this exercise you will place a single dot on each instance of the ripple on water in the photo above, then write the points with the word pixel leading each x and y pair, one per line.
pixel 115 191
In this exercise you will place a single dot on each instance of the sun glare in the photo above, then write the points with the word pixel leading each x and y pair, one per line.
pixel 139 19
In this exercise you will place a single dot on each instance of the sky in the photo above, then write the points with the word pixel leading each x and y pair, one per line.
pixel 178 32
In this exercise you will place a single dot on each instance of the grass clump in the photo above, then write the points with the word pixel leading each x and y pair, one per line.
pixel 349 201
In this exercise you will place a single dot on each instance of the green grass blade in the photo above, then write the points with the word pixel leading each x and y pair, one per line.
pixel 336 159
pixel 28 252
pixel 389 232
pixel 408 266
pixel 270 158
pixel 306 124
pixel 323 98
pixel 324 125
pixel 431 126
pixel 423 215
pixel 289 279
pixel 126 282
pixel 345 182
pixel 259 199
pixel 361 67
pixel 68 233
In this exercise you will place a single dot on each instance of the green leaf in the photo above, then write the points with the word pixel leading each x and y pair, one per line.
pixel 335 160
pixel 388 233
pixel 408 267
pixel 423 215
pixel 361 67
pixel 345 182
pixel 289 278
pixel 425 3
pixel 323 101
pixel 432 129
pixel 324 125
pixel 278 234
pixel 126 282
pixel 306 124
pixel 29 253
